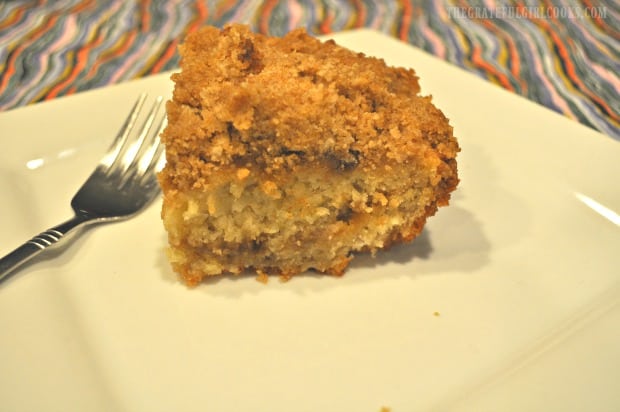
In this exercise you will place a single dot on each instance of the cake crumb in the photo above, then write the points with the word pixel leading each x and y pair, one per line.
pixel 285 277
pixel 262 277
pixel 271 189
pixel 242 173
pixel 437 314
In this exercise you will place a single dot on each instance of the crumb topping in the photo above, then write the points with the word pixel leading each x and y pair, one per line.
pixel 245 101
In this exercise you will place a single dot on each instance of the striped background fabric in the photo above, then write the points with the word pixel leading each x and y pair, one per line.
pixel 563 54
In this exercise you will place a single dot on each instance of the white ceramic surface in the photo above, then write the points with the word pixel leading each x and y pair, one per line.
pixel 508 301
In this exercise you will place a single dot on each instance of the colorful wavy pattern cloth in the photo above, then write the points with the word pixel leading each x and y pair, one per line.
pixel 563 54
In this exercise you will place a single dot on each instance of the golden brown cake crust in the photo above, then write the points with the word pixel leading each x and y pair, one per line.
pixel 285 154
pixel 243 98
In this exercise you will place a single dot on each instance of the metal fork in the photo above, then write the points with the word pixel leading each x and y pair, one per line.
pixel 123 183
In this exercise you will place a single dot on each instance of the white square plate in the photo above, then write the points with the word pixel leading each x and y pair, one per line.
pixel 508 301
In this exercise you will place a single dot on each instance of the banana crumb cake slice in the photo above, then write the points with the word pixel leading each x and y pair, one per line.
pixel 290 154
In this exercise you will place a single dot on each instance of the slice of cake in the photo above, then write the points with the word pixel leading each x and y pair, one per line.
pixel 288 154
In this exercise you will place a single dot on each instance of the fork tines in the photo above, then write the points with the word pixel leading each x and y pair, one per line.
pixel 136 153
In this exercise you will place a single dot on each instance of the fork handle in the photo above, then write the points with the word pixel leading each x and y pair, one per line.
pixel 37 244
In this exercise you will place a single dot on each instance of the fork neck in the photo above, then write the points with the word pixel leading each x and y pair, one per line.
pixel 59 232
pixel 40 242
pixel 78 220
